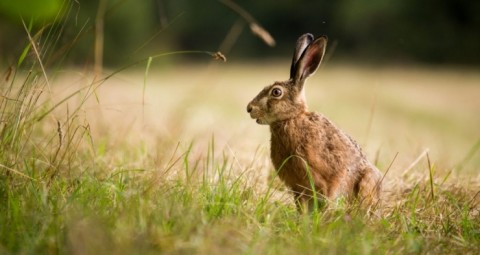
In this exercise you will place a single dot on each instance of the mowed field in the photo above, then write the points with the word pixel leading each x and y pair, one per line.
pixel 167 160
pixel 404 110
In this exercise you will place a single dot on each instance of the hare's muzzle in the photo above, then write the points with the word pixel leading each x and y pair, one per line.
pixel 250 110
pixel 256 114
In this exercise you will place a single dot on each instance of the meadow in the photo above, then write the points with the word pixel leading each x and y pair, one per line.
pixel 166 160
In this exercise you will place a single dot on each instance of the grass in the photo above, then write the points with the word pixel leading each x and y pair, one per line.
pixel 180 171
pixel 166 160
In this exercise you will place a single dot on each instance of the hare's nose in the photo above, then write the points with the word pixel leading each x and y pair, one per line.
pixel 249 108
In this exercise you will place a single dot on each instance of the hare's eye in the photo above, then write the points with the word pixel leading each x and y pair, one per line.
pixel 276 92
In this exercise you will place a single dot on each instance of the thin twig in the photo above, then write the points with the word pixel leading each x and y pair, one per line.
pixel 389 167
pixel 255 27
pixel 17 172
pixel 381 181
pixel 99 25
pixel 232 36
pixel 37 54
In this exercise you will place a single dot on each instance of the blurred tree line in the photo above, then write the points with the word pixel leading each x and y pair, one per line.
pixel 377 31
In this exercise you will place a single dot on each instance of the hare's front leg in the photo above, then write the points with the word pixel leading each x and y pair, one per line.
pixel 306 203
pixel 302 202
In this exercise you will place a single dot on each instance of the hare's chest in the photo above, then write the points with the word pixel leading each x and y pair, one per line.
pixel 289 157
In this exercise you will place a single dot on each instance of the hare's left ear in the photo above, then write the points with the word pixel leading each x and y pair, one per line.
pixel 310 60
pixel 302 43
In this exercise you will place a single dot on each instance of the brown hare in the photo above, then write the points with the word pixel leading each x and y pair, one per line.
pixel 308 151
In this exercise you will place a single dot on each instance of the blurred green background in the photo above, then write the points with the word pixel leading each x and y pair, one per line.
pixel 373 31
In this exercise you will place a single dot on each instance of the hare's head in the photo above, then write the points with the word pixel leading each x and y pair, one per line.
pixel 286 99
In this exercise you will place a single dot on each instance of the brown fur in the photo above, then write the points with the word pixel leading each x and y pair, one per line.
pixel 307 150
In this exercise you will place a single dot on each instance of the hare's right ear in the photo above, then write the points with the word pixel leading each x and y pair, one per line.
pixel 302 43
pixel 310 59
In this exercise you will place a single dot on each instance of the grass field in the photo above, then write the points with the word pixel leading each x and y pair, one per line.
pixel 170 162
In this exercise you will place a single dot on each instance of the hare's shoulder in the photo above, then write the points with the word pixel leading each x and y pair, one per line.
pixel 328 134
pixel 318 123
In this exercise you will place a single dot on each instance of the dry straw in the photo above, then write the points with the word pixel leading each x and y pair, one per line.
pixel 255 27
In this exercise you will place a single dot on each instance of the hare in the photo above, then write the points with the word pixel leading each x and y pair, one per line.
pixel 310 154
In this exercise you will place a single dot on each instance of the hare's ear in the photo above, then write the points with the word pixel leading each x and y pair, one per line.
pixel 310 59
pixel 302 43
